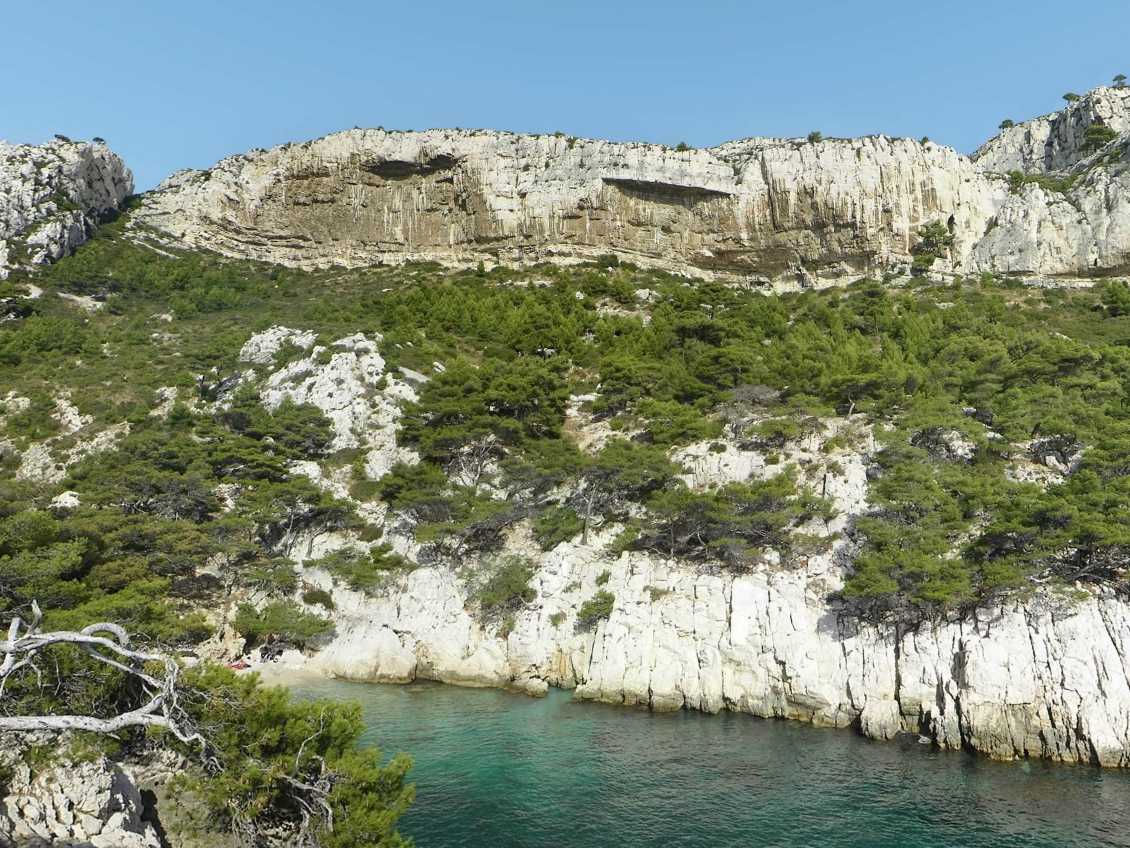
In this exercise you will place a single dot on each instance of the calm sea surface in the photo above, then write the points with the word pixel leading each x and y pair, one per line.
pixel 496 769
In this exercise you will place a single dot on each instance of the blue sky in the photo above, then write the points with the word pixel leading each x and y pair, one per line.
pixel 176 85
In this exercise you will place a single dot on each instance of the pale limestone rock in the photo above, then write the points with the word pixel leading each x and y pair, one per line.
pixel 262 347
pixel 40 463
pixel 69 418
pixel 778 212
pixel 88 303
pixel 166 399
pixel 1044 678
pixel 759 210
pixel 1055 141
pixel 66 500
pixel 52 196
pixel 344 387
pixel 86 802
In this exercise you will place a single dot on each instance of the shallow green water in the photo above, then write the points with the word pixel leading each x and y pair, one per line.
pixel 497 769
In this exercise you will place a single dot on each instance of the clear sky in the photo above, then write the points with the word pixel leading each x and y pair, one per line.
pixel 173 85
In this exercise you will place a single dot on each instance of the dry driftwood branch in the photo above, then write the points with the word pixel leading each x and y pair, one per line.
pixel 107 643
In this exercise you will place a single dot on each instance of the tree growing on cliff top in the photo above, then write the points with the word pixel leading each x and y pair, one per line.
pixel 1120 81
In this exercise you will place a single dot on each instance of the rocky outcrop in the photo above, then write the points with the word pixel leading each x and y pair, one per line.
pixel 759 210
pixel 780 212
pixel 52 197
pixel 1056 141
pixel 348 382
pixel 1065 229
pixel 90 802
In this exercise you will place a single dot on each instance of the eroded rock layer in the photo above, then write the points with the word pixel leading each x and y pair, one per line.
pixel 778 211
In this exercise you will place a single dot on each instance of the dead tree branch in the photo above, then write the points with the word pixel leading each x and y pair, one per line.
pixel 109 644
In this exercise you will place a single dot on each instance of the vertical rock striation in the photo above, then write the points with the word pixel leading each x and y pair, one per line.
pixel 1047 677
pixel 761 210
pixel 783 212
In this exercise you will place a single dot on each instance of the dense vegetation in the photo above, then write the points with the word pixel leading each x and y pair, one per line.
pixel 959 384
pixel 668 361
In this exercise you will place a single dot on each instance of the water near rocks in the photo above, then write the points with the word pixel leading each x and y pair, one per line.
pixel 498 769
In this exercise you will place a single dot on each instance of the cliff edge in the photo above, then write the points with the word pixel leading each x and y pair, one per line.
pixel 52 197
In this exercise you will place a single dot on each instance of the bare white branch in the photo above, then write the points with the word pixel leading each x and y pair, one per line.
pixel 25 643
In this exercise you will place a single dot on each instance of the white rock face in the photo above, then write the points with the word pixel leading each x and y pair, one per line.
pixel 93 803
pixel 1055 141
pixel 782 212
pixel 342 381
pixel 348 382
pixel 262 347
pixel 52 196
pixel 43 462
pixel 1047 678
pixel 751 210
pixel 1085 230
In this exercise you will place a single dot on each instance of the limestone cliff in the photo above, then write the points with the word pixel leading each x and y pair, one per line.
pixel 52 196
pixel 759 210
pixel 785 212
pixel 1074 220
pixel 1047 676
pixel 1058 140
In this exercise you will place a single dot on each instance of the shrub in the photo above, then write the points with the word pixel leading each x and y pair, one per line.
pixel 556 525
pixel 507 587
pixel 604 577
pixel 360 571
pixel 285 619
pixel 656 593
pixel 265 743
pixel 557 619
pixel 595 609
pixel 1006 124
pixel 1115 296
pixel 1099 135
pixel 318 596
pixel 815 136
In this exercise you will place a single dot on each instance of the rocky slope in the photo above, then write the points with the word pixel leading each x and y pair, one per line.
pixel 1056 141
pixel 82 802
pixel 1046 677
pixel 52 196
pixel 781 211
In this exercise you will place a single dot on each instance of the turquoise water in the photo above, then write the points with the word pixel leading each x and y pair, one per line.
pixel 498 769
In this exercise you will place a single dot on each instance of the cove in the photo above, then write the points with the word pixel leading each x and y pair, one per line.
pixel 493 768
